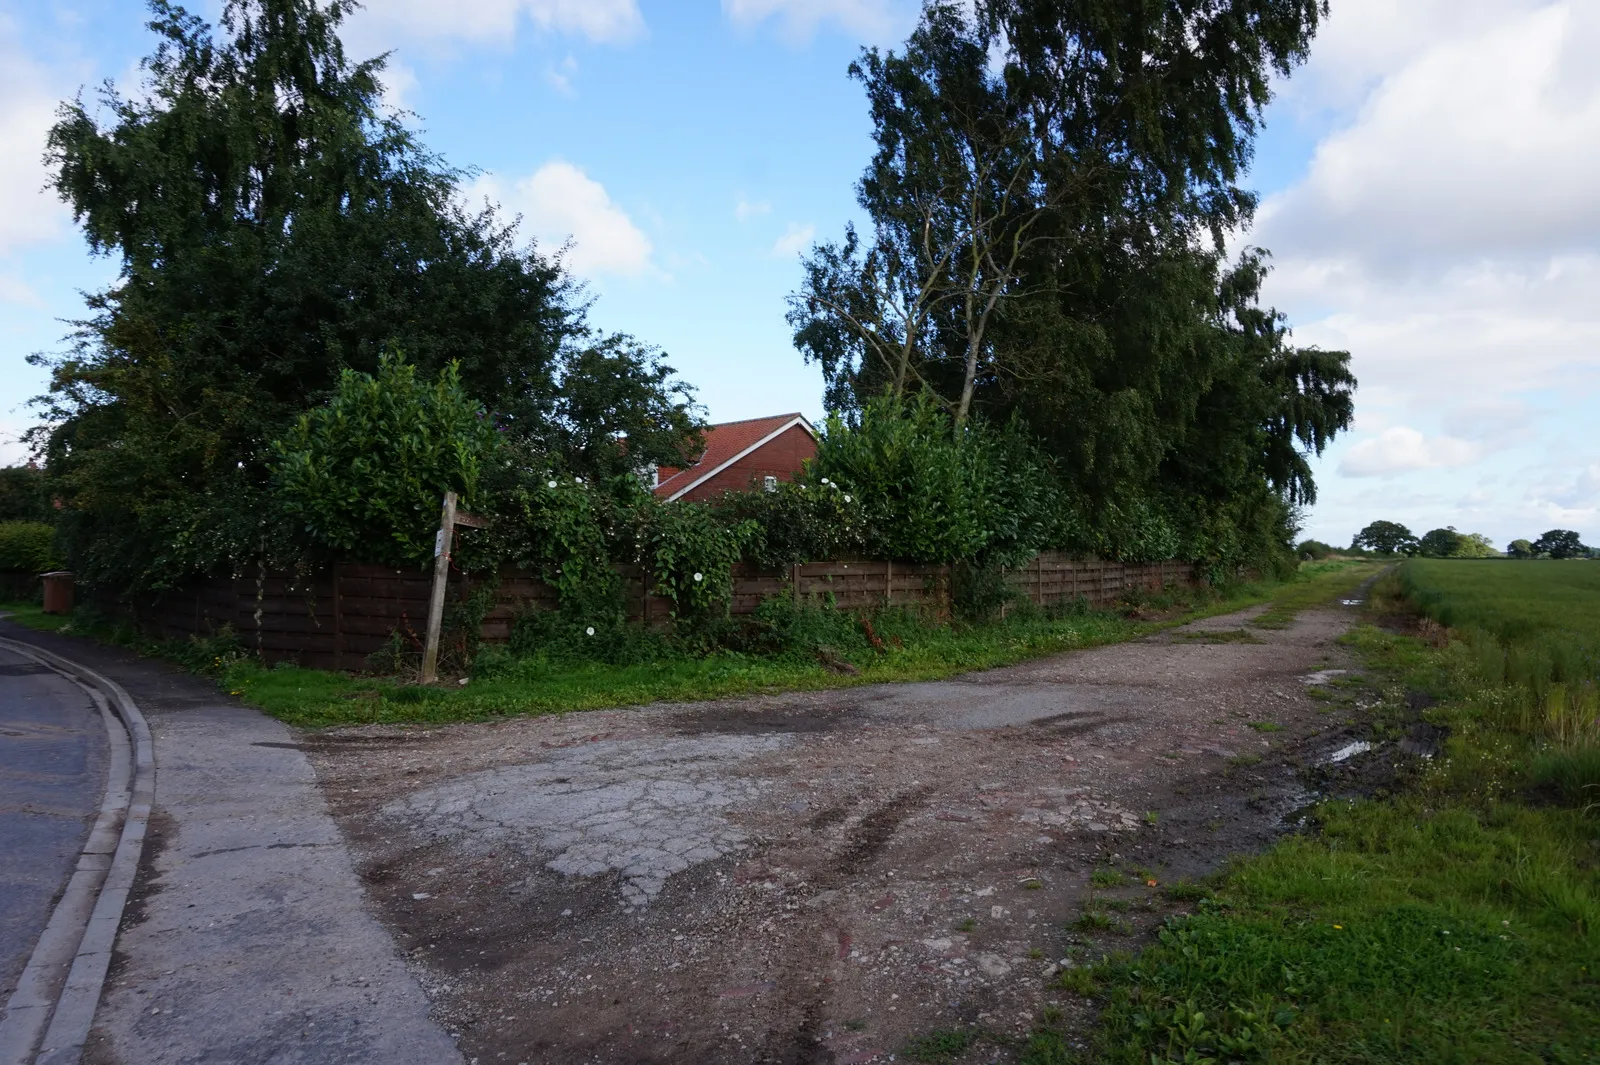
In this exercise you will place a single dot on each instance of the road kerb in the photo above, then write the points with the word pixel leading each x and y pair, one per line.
pixel 60 988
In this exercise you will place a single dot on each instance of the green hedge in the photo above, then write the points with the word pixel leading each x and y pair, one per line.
pixel 27 547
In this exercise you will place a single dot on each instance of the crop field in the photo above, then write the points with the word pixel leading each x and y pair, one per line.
pixel 1512 599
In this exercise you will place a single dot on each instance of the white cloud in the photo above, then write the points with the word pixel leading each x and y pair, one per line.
pixel 877 21
pixel 559 202
pixel 560 77
pixel 1482 146
pixel 795 240
pixel 1402 449
pixel 492 21
pixel 28 100
pixel 745 210
pixel 399 81
pixel 1446 233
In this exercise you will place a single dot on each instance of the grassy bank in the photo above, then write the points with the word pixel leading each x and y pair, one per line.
pixel 1459 922
pixel 813 651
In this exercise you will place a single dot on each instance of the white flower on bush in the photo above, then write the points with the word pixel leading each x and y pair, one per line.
pixel 847 497
pixel 698 577
pixel 579 480
pixel 552 484
pixel 590 630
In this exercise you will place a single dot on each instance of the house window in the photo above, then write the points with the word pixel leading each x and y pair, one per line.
pixel 769 483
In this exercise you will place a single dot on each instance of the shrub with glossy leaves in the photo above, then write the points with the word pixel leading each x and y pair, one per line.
pixel 364 474
pixel 690 555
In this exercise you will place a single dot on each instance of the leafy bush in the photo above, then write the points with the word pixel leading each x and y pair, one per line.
pixel 23 496
pixel 27 547
pixel 920 482
pixel 930 491
pixel 364 474
pixel 1313 550
pixel 690 555
pixel 801 521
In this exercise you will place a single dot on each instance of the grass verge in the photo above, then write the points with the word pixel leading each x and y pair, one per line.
pixel 910 650
pixel 33 616
pixel 1459 922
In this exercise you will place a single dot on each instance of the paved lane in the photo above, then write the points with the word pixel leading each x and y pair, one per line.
pixel 53 755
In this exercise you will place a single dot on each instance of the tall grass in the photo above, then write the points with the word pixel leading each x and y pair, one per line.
pixel 1531 628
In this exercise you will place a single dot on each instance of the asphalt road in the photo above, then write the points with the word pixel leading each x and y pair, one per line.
pixel 53 754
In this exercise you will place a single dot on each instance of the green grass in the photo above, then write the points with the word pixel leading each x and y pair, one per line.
pixel 33 616
pixel 538 685
pixel 1459 922
pixel 943 1045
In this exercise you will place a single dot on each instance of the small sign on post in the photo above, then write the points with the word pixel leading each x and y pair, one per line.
pixel 443 541
pixel 441 578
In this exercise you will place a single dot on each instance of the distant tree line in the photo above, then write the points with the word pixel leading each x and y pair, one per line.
pixel 1391 539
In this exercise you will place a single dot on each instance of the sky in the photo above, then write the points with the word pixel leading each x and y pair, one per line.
pixel 1428 181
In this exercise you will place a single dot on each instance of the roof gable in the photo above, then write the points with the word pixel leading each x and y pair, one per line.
pixel 727 443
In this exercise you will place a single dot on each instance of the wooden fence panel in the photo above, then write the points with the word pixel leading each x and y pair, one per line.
pixel 335 619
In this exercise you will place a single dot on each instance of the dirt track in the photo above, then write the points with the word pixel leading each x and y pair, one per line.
pixel 817 877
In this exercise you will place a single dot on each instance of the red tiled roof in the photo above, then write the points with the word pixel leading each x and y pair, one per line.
pixel 725 442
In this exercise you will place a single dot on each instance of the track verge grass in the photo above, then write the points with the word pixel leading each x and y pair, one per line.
pixel 1458 922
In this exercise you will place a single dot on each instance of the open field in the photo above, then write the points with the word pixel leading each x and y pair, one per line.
pixel 1512 599
pixel 1452 915
pixel 832 651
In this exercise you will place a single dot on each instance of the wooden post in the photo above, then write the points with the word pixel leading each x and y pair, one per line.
pixel 794 579
pixel 888 584
pixel 338 622
pixel 441 577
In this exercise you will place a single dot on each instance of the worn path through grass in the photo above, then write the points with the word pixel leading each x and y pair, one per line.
pixel 1455 920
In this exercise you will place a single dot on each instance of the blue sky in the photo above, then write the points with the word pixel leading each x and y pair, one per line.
pixel 1427 182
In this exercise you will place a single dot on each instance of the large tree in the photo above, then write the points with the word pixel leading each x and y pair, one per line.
pixel 1051 191
pixel 275 226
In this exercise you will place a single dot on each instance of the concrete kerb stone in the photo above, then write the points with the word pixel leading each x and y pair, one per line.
pixel 61 985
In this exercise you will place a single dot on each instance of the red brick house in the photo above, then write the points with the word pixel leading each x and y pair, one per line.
pixel 739 456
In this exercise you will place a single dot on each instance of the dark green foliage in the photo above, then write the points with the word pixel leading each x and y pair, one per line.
pixel 619 409
pixel 275 227
pixel 690 555
pixel 920 485
pixel 27 547
pixel 1448 543
pixel 1560 543
pixel 1387 538
pixel 931 491
pixel 799 521
pixel 1313 550
pixel 364 475
pixel 944 1045
pixel 1047 188
pixel 1440 543
pixel 1572 775
pixel 1521 549
pixel 24 495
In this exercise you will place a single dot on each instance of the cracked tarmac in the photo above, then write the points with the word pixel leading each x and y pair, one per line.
pixel 815 877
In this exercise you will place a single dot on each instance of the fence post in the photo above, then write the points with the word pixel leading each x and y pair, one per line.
pixel 794 579
pixel 888 583
pixel 441 577
pixel 338 622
